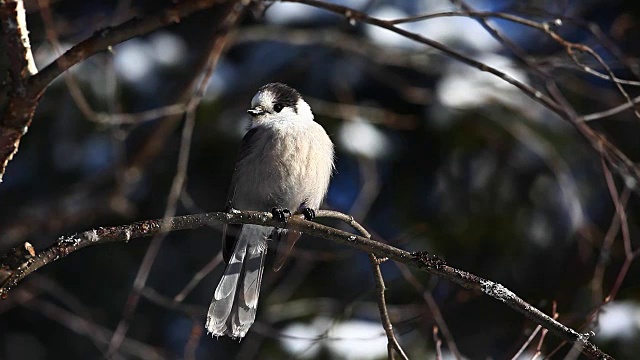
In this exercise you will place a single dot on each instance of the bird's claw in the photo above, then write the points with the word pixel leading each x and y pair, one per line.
pixel 280 214
pixel 309 213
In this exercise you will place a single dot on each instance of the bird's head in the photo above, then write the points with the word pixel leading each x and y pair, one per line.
pixel 278 102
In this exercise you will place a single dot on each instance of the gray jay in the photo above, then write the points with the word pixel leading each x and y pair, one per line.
pixel 285 163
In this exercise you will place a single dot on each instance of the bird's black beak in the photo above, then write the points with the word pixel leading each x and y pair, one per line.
pixel 256 111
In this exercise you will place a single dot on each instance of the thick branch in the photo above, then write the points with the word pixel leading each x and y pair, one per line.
pixel 25 95
pixel 13 268
pixel 16 38
pixel 19 110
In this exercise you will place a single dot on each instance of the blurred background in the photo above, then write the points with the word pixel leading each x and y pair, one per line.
pixel 432 155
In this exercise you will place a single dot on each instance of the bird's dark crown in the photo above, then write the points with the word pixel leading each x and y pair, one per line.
pixel 283 94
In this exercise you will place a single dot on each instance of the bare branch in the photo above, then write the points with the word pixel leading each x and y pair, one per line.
pixel 605 250
pixel 620 212
pixel 610 112
pixel 441 325
pixel 393 345
pixel 526 343
pixel 13 270
pixel 572 47
pixel 392 341
pixel 438 343
pixel 206 270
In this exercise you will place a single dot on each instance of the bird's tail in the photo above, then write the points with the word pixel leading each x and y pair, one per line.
pixel 234 304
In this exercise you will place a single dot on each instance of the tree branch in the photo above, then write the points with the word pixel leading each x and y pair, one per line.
pixel 25 94
pixel 14 268
pixel 393 346
pixel 16 38
pixel 19 108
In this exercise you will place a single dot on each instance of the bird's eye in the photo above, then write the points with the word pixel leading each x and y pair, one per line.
pixel 278 107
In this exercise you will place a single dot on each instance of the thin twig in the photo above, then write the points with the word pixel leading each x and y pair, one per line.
pixel 630 254
pixel 546 27
pixel 393 345
pixel 155 297
pixel 392 342
pixel 177 185
pixel 605 250
pixel 438 343
pixel 570 47
pixel 526 343
pixel 433 307
pixel 620 212
pixel 599 142
pixel 72 84
pixel 482 16
pixel 610 112
pixel 195 280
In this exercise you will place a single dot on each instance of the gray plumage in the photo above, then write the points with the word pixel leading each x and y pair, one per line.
pixel 285 160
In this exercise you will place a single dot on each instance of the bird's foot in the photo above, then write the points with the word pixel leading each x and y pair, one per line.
pixel 280 214
pixel 309 213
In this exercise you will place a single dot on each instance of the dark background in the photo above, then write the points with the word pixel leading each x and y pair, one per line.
pixel 434 156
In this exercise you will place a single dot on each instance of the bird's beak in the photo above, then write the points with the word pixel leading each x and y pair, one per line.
pixel 256 111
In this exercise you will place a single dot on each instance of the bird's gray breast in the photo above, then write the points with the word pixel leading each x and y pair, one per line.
pixel 281 168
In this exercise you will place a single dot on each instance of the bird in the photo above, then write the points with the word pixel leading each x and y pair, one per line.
pixel 285 164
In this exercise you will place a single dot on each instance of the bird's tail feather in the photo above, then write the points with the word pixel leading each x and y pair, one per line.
pixel 234 304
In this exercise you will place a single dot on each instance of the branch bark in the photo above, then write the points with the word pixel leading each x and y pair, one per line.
pixel 20 108
pixel 14 268
pixel 28 84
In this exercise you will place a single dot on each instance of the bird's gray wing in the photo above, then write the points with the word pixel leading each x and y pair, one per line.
pixel 230 232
